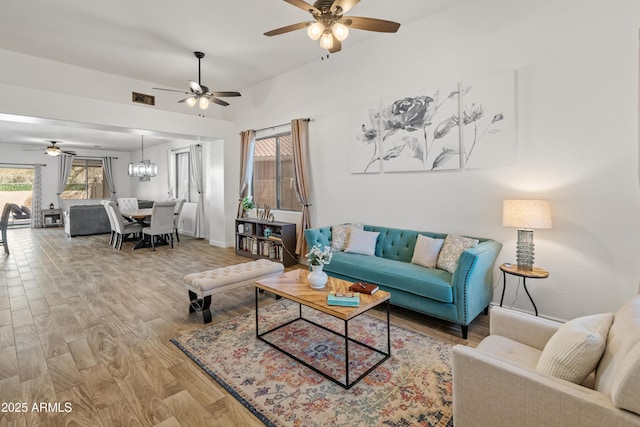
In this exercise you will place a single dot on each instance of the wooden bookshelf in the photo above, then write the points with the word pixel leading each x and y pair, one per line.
pixel 251 241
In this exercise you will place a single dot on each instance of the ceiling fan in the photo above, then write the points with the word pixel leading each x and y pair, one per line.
pixel 330 25
pixel 199 93
pixel 53 150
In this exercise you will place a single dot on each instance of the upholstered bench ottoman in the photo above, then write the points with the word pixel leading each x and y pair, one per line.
pixel 202 285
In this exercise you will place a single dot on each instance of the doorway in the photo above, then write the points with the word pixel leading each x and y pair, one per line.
pixel 16 186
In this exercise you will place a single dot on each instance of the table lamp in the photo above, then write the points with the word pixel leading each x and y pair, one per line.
pixel 526 215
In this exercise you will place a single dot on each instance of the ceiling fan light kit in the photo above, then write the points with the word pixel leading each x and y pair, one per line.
pixel 199 93
pixel 331 26
pixel 53 151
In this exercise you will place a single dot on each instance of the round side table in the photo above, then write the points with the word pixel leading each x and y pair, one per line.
pixel 536 273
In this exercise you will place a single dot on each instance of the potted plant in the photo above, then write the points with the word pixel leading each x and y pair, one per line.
pixel 247 205
pixel 318 257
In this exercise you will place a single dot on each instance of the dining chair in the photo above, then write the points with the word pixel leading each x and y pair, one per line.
pixel 161 225
pixel 4 223
pixel 127 204
pixel 111 221
pixel 176 217
pixel 121 228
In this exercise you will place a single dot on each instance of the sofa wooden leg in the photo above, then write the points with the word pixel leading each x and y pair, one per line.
pixel 486 310
pixel 465 331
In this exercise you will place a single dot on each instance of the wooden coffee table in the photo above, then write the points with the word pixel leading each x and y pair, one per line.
pixel 293 285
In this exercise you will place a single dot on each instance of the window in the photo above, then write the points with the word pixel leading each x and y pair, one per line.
pixel 185 188
pixel 86 181
pixel 273 175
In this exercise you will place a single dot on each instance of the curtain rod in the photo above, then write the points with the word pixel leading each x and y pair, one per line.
pixel 306 119
pixel 24 164
pixel 95 157
pixel 185 148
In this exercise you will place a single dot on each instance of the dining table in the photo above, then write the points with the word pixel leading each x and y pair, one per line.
pixel 141 216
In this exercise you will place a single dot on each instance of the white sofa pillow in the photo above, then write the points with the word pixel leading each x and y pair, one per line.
pixel 362 242
pixel 426 251
pixel 574 351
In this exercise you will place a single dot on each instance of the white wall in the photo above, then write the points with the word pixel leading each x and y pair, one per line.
pixel 577 111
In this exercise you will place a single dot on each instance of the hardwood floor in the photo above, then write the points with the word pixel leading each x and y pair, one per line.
pixel 83 323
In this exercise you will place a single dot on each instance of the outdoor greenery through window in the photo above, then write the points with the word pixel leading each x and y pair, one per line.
pixel 16 185
pixel 86 181
pixel 273 174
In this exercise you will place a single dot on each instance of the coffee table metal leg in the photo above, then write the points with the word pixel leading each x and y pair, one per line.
pixel 346 352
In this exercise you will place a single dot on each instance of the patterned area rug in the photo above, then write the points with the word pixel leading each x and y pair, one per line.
pixel 412 388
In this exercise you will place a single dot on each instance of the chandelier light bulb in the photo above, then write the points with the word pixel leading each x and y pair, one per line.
pixel 340 31
pixel 204 103
pixel 315 30
pixel 326 41
pixel 191 101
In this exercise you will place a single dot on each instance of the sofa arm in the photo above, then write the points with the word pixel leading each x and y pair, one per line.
pixel 472 280
pixel 522 327
pixel 489 391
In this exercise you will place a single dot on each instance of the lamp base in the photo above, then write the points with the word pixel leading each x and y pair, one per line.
pixel 525 249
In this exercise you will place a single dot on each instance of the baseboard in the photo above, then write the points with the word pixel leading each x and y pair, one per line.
pixel 219 244
pixel 556 319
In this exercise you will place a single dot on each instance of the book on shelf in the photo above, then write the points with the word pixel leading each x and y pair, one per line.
pixel 353 301
pixel 364 288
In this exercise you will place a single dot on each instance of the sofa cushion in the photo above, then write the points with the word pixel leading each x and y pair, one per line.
pixel 573 352
pixel 362 242
pixel 618 372
pixel 426 251
pixel 511 350
pixel 452 247
pixel 425 282
pixel 340 235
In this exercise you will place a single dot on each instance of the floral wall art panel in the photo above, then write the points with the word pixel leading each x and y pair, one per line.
pixel 420 131
pixel 489 135
pixel 364 138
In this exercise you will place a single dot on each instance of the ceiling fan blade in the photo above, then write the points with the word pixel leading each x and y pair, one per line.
pixel 337 45
pixel 185 99
pixel 223 94
pixel 169 90
pixel 218 101
pixel 195 87
pixel 371 24
pixel 345 5
pixel 303 5
pixel 287 29
pixel 71 153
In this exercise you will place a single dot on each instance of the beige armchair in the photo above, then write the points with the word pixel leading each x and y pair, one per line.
pixel 498 383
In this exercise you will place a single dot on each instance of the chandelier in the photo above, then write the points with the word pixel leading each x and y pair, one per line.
pixel 144 169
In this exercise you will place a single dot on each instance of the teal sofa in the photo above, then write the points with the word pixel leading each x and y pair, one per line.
pixel 457 297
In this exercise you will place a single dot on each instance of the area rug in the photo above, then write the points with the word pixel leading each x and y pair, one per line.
pixel 412 388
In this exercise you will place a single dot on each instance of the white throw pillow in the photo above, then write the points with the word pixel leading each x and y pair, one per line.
pixel 574 351
pixel 340 235
pixel 426 251
pixel 362 242
pixel 452 247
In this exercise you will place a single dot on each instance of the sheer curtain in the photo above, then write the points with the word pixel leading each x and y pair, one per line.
pixel 247 148
pixel 171 174
pixel 108 174
pixel 65 162
pixel 36 198
pixel 300 139
pixel 195 156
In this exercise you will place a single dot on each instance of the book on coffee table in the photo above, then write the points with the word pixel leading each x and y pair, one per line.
pixel 364 288
pixel 353 301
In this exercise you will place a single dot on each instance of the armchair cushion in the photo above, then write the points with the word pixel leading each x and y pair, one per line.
pixel 574 350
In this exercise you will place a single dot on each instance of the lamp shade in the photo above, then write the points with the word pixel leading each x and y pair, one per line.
pixel 526 213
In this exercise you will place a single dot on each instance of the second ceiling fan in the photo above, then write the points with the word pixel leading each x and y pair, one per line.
pixel 331 26
pixel 199 93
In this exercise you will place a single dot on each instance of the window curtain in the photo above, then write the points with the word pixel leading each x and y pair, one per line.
pixel 108 174
pixel 171 174
pixel 195 156
pixel 247 148
pixel 300 139
pixel 36 198
pixel 65 162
